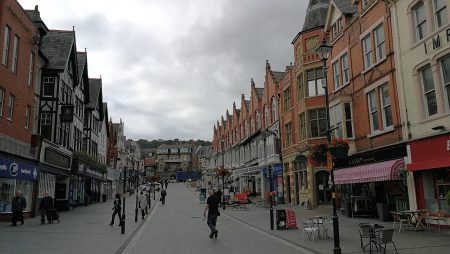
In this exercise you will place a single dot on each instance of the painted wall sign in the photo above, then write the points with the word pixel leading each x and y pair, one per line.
pixel 88 170
pixel 19 170
pixel 437 41
pixel 56 158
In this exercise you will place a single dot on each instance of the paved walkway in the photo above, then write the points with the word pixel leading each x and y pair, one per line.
pixel 432 241
pixel 82 230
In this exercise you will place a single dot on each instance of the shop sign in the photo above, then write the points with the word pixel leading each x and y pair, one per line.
pixel 437 41
pixel 66 114
pixel 422 157
pixel 14 169
pixel 56 158
pixel 277 169
pixel 88 170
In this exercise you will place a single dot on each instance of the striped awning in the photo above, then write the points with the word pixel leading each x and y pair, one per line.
pixel 375 172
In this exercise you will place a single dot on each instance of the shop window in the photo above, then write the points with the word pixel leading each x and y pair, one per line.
pixel 8 188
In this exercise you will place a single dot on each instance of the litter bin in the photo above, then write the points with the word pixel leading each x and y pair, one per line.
pixel 281 219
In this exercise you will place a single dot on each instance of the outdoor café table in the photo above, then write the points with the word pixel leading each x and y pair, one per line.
pixel 414 218
pixel 374 230
pixel 318 221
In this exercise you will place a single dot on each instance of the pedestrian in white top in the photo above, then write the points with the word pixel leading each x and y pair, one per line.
pixel 142 203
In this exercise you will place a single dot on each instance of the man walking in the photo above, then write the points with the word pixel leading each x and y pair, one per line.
pixel 46 207
pixel 143 203
pixel 212 206
pixel 18 204
pixel 163 196
pixel 116 210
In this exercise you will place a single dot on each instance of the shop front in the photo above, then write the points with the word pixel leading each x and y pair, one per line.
pixel 278 182
pixel 54 164
pixel 16 174
pixel 86 185
pixel 373 189
pixel 430 172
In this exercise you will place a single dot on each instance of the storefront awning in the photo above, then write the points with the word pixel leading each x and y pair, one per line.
pixel 375 172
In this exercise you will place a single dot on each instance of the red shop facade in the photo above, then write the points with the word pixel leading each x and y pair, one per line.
pixel 430 165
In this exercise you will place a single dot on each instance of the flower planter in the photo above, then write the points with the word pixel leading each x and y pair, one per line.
pixel 339 152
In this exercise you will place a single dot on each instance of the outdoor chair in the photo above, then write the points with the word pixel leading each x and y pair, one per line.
pixel 364 234
pixel 309 228
pixel 400 220
pixel 421 219
pixel 440 216
pixel 385 236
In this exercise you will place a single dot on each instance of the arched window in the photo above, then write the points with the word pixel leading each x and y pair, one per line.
pixel 274 109
pixel 256 120
pixel 266 117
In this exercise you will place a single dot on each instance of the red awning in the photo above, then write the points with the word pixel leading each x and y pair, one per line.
pixel 375 172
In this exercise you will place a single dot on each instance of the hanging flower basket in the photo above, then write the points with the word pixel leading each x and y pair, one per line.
pixel 318 154
pixel 338 148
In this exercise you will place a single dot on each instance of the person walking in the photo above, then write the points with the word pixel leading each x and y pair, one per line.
pixel 18 204
pixel 143 203
pixel 212 206
pixel 166 182
pixel 116 210
pixel 163 196
pixel 46 207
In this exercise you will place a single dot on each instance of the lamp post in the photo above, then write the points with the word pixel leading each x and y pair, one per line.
pixel 123 208
pixel 223 175
pixel 137 192
pixel 324 51
pixel 270 196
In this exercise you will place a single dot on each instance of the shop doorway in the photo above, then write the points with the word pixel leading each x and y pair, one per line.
pixel 323 189
pixel 288 189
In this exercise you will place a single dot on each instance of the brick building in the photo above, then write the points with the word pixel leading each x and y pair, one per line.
pixel 19 51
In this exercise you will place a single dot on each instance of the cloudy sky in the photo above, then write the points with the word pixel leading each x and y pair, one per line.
pixel 171 68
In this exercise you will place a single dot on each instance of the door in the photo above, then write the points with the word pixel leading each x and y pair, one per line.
pixel 323 188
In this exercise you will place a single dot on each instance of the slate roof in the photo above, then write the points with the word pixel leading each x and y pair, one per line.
pixel 34 15
pixel 346 6
pixel 247 104
pixel 259 92
pixel 56 46
pixel 315 14
pixel 277 76
pixel 95 87
pixel 82 59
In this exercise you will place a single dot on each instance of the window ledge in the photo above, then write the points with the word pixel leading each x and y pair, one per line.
pixel 434 117
pixel 374 65
pixel 381 132
pixel 341 87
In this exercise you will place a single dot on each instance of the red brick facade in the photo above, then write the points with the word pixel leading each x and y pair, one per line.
pixel 17 84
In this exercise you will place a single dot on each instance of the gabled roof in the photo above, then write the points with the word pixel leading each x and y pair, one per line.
pixel 346 6
pixel 95 87
pixel 82 59
pixel 278 76
pixel 57 46
pixel 247 104
pixel 259 92
pixel 315 14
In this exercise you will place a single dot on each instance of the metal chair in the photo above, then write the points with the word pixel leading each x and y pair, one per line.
pixel 440 216
pixel 309 228
pixel 400 220
pixel 385 236
pixel 421 219
pixel 364 234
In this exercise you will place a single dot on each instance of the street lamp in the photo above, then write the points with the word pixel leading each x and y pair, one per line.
pixel 124 191
pixel 223 175
pixel 323 51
